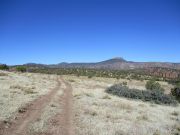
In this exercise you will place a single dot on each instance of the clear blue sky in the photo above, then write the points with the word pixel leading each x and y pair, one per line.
pixel 52 31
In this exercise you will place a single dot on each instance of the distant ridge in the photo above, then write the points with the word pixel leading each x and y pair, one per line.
pixel 113 60
pixel 117 63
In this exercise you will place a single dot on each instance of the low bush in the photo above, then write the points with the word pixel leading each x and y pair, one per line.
pixel 153 85
pixel 176 93
pixel 21 69
pixel 90 76
pixel 3 74
pixel 157 97
pixel 4 67
pixel 124 83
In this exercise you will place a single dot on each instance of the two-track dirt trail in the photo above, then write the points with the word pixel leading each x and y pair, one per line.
pixel 62 123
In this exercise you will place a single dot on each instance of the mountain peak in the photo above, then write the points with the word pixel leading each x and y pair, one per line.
pixel 118 58
pixel 114 60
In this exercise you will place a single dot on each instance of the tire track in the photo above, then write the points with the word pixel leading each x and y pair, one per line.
pixel 62 123
pixel 31 112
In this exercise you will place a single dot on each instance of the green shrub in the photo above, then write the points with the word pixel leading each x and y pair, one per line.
pixel 90 76
pixel 4 67
pixel 21 69
pixel 176 93
pixel 151 96
pixel 153 85
pixel 124 83
pixel 117 77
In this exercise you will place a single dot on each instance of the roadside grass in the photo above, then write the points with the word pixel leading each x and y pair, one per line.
pixel 26 90
pixel 175 113
pixel 3 74
pixel 104 114
pixel 18 89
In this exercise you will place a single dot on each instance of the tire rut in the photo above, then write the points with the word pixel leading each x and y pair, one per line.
pixel 30 113
pixel 62 123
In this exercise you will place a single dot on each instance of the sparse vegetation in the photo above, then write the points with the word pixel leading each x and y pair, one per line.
pixel 71 80
pixel 90 112
pixel 21 69
pixel 90 76
pixel 16 87
pixel 151 96
pixel 157 132
pixel 124 83
pixel 175 113
pixel 4 67
pixel 93 105
pixel 26 90
pixel 118 74
pixel 3 74
pixel 106 97
pixel 153 85
pixel 18 90
pixel 89 95
pixel 176 129
pixel 29 91
pixel 94 113
pixel 115 114
pixel 176 93
pixel 142 118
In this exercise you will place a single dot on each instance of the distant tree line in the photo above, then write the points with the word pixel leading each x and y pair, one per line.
pixel 4 67
pixel 16 68
pixel 124 74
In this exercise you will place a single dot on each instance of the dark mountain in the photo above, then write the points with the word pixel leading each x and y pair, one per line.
pixel 35 65
pixel 115 63
pixel 113 60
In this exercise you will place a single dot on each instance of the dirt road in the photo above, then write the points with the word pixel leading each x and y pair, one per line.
pixel 62 123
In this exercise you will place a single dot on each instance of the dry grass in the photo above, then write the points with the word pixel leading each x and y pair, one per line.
pixel 97 113
pixel 50 111
pixel 106 97
pixel 3 74
pixel 175 113
pixel 17 89
pixel 26 90
pixel 42 124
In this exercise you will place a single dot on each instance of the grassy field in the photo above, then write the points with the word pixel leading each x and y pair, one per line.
pixel 17 89
pixel 98 113
pixel 94 112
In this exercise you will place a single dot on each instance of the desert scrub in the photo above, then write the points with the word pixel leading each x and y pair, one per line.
pixel 4 67
pixel 176 93
pixel 142 118
pixel 175 113
pixel 89 94
pixel 153 85
pixel 3 74
pixel 91 112
pixel 26 90
pixel 71 80
pixel 16 87
pixel 21 69
pixel 157 97
pixel 106 97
